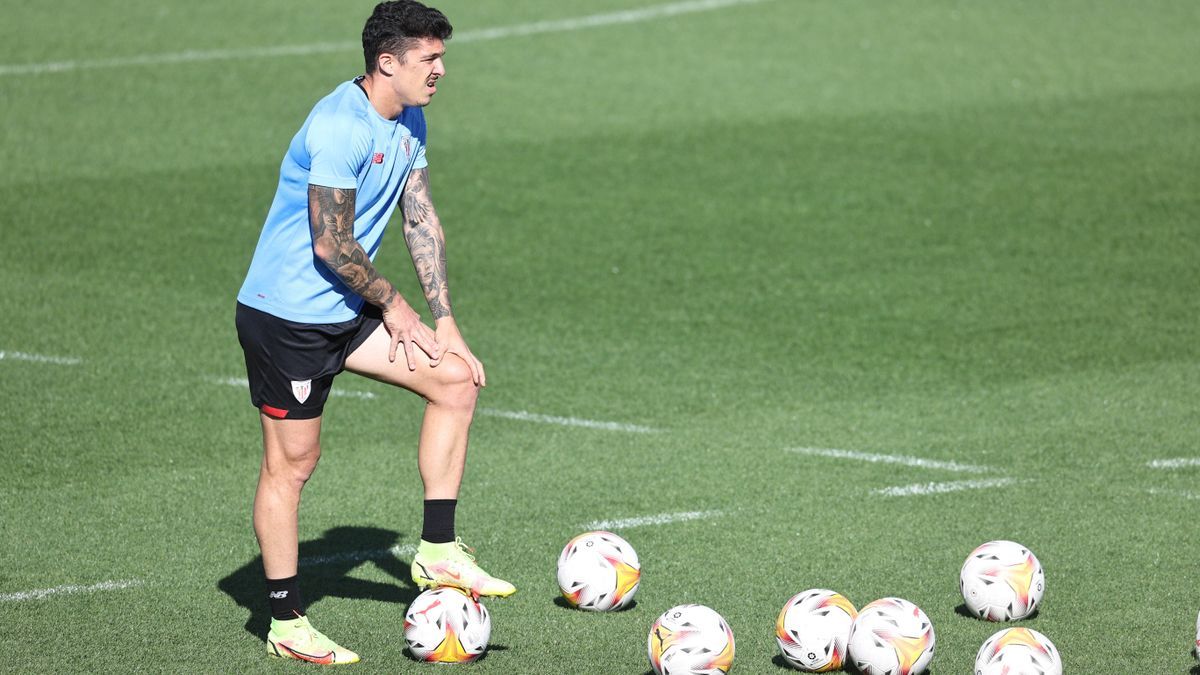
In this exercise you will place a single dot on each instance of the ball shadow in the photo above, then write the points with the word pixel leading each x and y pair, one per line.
pixel 562 602
pixel 963 610
pixel 491 648
pixel 849 668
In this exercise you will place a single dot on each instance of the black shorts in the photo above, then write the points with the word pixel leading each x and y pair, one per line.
pixel 291 365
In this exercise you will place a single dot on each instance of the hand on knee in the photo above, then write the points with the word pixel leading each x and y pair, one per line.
pixel 456 388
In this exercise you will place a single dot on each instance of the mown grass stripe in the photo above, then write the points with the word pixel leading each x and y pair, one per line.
pixel 905 460
pixel 552 26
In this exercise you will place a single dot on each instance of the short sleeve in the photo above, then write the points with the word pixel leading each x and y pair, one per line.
pixel 338 150
pixel 414 119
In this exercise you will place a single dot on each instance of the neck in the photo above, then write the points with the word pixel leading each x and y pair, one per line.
pixel 377 94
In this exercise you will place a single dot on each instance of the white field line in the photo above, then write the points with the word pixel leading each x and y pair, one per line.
pixel 637 15
pixel 344 393
pixel 519 415
pixel 660 519
pixel 891 459
pixel 39 358
pixel 523 416
pixel 347 393
pixel 71 590
pixel 398 551
pixel 196 55
pixel 1176 463
pixel 1184 494
pixel 940 488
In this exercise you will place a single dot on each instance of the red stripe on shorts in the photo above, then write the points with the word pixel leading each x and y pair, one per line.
pixel 278 413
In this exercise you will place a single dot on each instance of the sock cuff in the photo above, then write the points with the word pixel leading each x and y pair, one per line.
pixel 438 527
pixel 283 595
pixel 435 546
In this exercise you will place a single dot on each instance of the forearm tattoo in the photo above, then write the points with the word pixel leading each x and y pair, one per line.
pixel 426 242
pixel 331 217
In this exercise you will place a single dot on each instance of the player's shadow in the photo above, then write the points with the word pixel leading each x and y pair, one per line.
pixel 562 602
pixel 324 566
pixel 963 610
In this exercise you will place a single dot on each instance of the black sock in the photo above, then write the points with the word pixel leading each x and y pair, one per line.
pixel 284 595
pixel 439 521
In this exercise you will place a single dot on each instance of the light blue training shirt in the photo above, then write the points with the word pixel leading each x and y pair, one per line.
pixel 344 143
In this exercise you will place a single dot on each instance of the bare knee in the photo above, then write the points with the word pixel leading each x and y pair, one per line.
pixel 455 387
pixel 290 466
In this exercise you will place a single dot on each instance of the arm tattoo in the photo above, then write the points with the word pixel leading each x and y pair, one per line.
pixel 426 243
pixel 331 217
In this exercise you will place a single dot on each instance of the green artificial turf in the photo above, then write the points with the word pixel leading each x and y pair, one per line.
pixel 959 231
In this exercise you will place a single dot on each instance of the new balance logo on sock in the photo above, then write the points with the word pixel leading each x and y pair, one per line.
pixel 277 595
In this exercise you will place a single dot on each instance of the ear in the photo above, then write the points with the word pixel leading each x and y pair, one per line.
pixel 386 64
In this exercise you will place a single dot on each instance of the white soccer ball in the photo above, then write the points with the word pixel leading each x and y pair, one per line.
pixel 813 630
pixel 1002 581
pixel 445 625
pixel 891 636
pixel 690 640
pixel 598 571
pixel 1018 651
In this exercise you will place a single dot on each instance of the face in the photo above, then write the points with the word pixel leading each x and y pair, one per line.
pixel 415 74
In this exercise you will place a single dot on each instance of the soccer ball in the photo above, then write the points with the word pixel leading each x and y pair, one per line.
pixel 891 637
pixel 690 640
pixel 1018 651
pixel 445 625
pixel 598 571
pixel 1002 581
pixel 813 630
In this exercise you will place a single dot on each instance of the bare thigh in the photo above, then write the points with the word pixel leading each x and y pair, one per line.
pixel 370 359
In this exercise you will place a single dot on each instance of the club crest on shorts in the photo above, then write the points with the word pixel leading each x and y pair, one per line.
pixel 301 389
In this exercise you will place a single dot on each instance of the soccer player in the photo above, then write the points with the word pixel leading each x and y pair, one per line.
pixel 313 304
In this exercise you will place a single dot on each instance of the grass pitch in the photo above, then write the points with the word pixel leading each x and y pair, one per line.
pixel 959 231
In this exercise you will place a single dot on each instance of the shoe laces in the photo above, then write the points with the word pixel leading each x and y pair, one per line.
pixel 314 636
pixel 464 550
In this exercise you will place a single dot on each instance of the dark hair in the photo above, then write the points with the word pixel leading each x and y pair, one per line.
pixel 394 27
